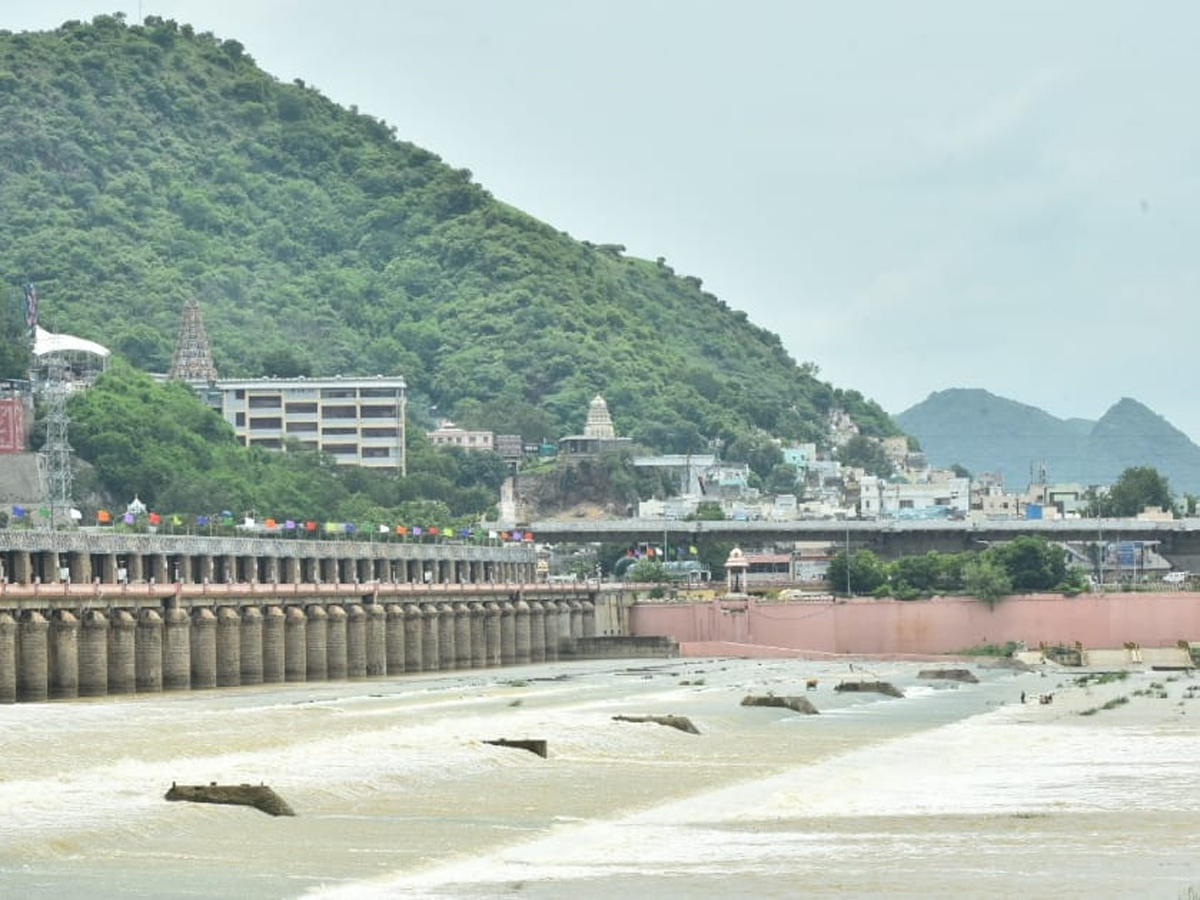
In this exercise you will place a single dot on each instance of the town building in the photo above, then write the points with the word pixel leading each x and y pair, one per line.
pixel 357 421
pixel 879 499
pixel 447 434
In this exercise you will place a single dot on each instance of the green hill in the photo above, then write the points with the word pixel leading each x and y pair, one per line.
pixel 144 164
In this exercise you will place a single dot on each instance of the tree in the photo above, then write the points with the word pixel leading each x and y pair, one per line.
pixel 283 362
pixel 647 570
pixel 782 479
pixel 1137 488
pixel 16 348
pixel 1031 563
pixel 930 573
pixel 758 450
pixel 866 572
pixel 867 454
pixel 706 511
pixel 985 578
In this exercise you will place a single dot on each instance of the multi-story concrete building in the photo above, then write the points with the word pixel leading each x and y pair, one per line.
pixel 896 500
pixel 357 421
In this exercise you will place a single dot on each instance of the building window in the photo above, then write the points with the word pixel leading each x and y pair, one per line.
pixel 340 412
pixel 269 402
pixel 379 412
pixel 268 423
pixel 380 432
pixel 337 394
pixel 342 449
pixel 301 427
pixel 302 409
pixel 240 420
pixel 339 431
pixel 376 452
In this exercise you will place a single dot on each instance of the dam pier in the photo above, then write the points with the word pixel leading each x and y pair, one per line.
pixel 134 614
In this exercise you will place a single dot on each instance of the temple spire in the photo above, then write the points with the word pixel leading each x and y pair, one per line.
pixel 193 357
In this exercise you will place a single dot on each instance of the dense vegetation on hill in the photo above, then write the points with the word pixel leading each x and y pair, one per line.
pixel 180 457
pixel 143 164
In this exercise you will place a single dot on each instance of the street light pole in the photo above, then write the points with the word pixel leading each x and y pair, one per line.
pixel 849 593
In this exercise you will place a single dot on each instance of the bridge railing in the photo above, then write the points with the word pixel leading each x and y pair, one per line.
pixel 115 594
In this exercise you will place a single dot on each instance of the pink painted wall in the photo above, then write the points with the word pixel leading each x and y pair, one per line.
pixel 940 625
pixel 12 425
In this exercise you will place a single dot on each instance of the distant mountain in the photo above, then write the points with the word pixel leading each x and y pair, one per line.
pixel 986 433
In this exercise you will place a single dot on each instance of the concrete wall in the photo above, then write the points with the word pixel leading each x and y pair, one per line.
pixel 940 625
pixel 650 647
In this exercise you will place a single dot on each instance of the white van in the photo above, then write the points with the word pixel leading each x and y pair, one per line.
pixel 1176 577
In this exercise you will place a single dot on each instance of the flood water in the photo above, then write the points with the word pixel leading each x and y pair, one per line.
pixel 955 790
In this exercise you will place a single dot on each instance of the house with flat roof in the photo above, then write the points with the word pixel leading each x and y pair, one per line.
pixel 357 421
pixel 447 434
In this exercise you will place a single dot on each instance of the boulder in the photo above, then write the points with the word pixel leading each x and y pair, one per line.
pixel 259 796
pixel 878 687
pixel 965 675
pixel 533 745
pixel 795 704
pixel 683 723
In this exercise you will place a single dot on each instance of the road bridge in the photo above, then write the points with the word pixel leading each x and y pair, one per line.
pixel 116 557
pixel 889 537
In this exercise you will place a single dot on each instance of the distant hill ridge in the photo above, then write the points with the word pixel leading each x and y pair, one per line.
pixel 986 433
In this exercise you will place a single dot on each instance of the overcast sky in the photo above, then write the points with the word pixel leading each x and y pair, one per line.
pixel 914 195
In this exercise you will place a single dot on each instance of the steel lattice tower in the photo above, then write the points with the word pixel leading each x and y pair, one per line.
pixel 57 452
pixel 192 360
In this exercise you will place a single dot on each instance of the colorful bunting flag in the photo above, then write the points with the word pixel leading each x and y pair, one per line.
pixel 155 518
pixel 18 512
pixel 103 516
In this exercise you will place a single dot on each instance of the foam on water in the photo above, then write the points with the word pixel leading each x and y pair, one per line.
pixel 398 795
